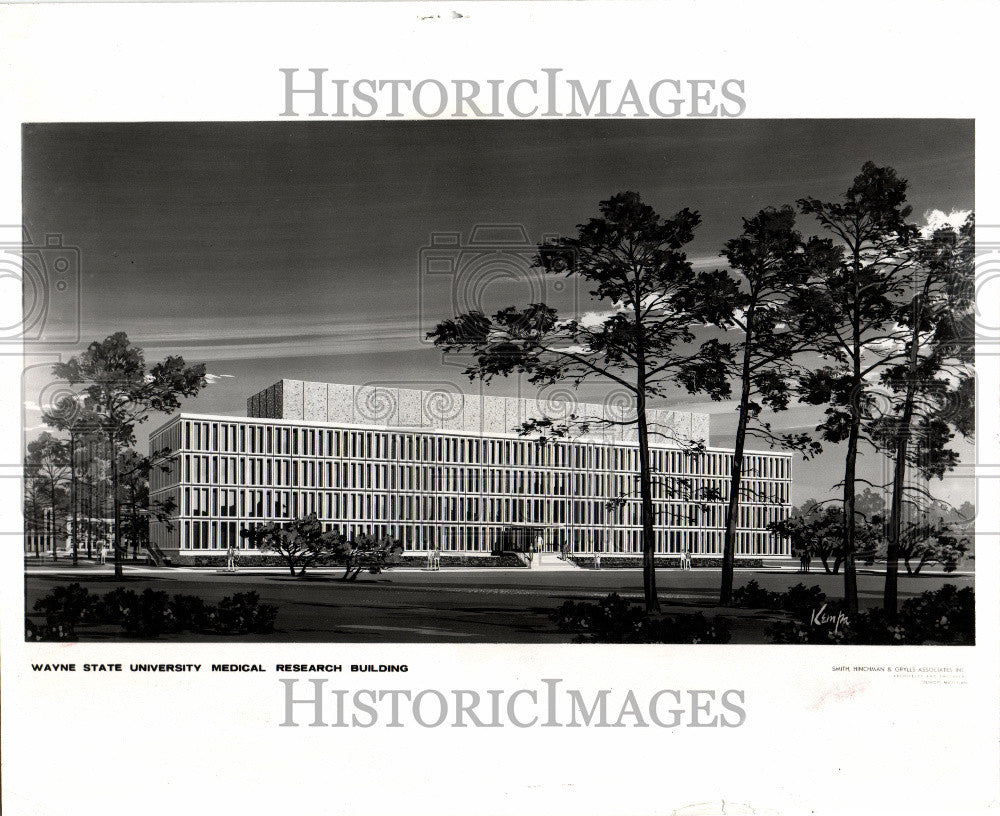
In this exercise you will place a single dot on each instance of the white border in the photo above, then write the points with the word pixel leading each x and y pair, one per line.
pixel 815 741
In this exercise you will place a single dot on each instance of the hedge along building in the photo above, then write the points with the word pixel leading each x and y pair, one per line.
pixel 442 469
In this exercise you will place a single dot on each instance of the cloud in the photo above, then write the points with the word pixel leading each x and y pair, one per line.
pixel 592 320
pixel 938 219
pixel 214 378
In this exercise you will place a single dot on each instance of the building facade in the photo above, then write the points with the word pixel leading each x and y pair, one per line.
pixel 441 469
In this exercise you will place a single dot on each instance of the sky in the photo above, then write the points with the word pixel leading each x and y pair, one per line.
pixel 303 249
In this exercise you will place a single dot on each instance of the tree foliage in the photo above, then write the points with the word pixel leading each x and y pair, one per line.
pixel 301 543
pixel 123 392
pixel 769 264
pixel 850 306
pixel 643 339
pixel 817 530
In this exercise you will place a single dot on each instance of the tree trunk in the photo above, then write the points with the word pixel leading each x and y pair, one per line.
pixel 134 532
pixel 646 494
pixel 37 526
pixel 116 505
pixel 850 467
pixel 736 477
pixel 72 495
pixel 52 520
pixel 90 519
pixel 890 597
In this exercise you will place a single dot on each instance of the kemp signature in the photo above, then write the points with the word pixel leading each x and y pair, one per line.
pixel 820 617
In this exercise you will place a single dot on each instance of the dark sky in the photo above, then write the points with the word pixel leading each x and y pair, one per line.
pixel 275 249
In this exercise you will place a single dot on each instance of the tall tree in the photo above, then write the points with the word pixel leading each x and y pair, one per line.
pixel 931 388
pixel 769 262
pixel 34 501
pixel 125 392
pixel 74 416
pixel 48 460
pixel 644 343
pixel 851 306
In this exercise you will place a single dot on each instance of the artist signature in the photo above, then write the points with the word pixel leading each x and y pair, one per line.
pixel 820 617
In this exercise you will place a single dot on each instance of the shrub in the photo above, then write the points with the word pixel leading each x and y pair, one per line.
pixel 615 620
pixel 803 600
pixel 34 632
pixel 799 598
pixel 152 616
pixel 243 614
pixel 191 613
pixel 117 606
pixel 694 628
pixel 754 596
pixel 149 614
pixel 945 616
pixel 65 608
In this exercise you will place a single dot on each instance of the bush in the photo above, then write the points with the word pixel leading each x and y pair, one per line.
pixel 803 600
pixel 34 632
pixel 149 614
pixel 243 614
pixel 66 607
pixel 615 620
pixel 694 628
pixel 752 595
pixel 799 598
pixel 192 614
pixel 945 616
pixel 152 616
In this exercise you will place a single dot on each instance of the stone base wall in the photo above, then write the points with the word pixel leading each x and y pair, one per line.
pixel 250 560
pixel 665 562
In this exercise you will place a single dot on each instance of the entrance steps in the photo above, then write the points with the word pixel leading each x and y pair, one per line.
pixel 551 562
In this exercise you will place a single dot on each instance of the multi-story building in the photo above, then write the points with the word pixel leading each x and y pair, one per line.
pixel 441 469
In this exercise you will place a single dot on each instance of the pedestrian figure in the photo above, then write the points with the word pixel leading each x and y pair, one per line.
pixel 597 560
pixel 430 558
pixel 231 559
pixel 436 564
pixel 102 555
pixel 686 560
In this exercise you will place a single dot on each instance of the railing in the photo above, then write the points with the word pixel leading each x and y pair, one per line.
pixel 155 554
